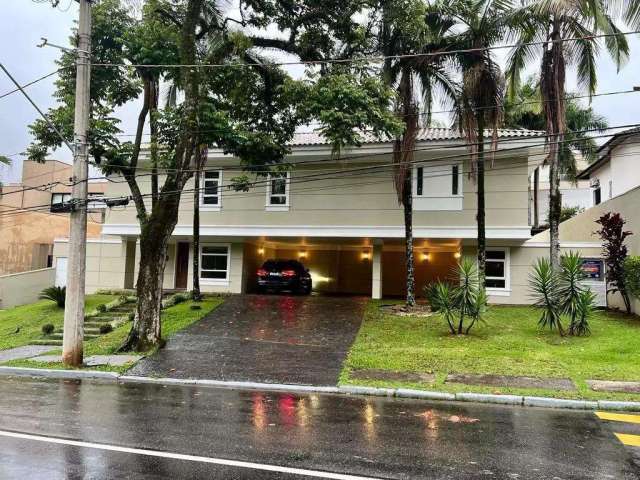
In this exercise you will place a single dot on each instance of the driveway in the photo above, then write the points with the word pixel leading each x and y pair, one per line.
pixel 263 338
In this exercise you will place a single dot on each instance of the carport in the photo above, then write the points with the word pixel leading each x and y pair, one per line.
pixel 372 267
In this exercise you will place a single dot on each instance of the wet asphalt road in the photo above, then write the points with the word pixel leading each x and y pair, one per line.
pixel 356 436
pixel 263 338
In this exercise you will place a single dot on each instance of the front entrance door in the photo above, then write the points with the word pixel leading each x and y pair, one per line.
pixel 182 265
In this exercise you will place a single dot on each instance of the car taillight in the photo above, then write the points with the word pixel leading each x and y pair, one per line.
pixel 288 273
pixel 262 272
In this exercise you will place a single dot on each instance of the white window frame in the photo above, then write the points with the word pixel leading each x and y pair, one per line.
pixel 430 202
pixel 209 207
pixel 215 281
pixel 280 207
pixel 506 291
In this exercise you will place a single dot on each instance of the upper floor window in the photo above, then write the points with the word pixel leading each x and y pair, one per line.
pixel 437 186
pixel 211 189
pixel 278 191
pixel 60 202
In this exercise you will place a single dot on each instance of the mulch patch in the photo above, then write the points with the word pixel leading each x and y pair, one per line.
pixel 400 309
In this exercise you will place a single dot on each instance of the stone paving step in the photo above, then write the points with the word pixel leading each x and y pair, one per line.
pixel 95 324
pixel 58 336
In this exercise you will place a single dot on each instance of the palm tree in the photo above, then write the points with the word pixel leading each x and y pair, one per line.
pixel 483 24
pixel 524 110
pixel 551 23
pixel 413 28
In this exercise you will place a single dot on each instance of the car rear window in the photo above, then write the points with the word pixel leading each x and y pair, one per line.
pixel 278 265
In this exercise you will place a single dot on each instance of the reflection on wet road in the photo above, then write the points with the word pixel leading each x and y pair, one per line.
pixel 351 436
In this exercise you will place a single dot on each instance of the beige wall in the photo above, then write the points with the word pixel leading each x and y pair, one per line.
pixel 23 288
pixel 581 228
pixel 28 237
pixel 105 262
pixel 364 200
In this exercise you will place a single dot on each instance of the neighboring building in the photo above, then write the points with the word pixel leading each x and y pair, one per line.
pixel 616 171
pixel 342 219
pixel 575 193
pixel 33 213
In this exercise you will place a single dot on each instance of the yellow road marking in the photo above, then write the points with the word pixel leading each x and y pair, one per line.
pixel 618 417
pixel 629 440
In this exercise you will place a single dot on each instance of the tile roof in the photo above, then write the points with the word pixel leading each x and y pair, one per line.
pixel 424 135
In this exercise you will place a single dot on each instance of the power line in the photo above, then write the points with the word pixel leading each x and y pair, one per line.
pixel 26 95
pixel 377 58
pixel 33 82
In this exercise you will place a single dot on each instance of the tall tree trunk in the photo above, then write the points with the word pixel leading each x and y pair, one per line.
pixel 156 228
pixel 154 89
pixel 407 204
pixel 480 216
pixel 196 233
pixel 552 83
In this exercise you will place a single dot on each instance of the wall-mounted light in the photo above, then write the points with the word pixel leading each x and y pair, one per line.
pixel 457 255
pixel 365 255
pixel 261 251
pixel 302 254
pixel 425 257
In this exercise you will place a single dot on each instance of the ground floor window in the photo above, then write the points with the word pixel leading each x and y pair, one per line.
pixel 497 269
pixel 214 262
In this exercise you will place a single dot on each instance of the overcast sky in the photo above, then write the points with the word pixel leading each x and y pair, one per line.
pixel 23 22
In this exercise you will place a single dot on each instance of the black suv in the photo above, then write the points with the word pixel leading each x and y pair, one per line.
pixel 279 275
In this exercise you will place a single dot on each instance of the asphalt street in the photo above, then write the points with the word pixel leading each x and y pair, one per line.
pixel 56 429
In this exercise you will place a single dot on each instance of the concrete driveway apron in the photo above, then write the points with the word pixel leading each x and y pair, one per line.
pixel 263 338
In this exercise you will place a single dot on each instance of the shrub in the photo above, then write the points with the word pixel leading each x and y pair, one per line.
pixel 615 251
pixel 48 328
pixel 122 299
pixel 585 306
pixel 544 286
pixel 460 300
pixel 101 308
pixel 561 292
pixel 632 275
pixel 570 288
pixel 55 294
pixel 106 328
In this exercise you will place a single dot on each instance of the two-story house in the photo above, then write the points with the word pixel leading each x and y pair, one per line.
pixel 34 212
pixel 341 218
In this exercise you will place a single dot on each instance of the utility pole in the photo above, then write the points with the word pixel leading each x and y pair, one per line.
pixel 73 334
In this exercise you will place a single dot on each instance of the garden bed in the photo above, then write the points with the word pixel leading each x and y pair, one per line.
pixel 509 344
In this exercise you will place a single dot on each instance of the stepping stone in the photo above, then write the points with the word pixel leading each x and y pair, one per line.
pixel 47 359
pixel 387 375
pixel 20 353
pixel 613 386
pixel 508 381
pixel 113 360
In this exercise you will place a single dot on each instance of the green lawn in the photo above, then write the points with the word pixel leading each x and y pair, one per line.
pixel 20 325
pixel 173 319
pixel 510 343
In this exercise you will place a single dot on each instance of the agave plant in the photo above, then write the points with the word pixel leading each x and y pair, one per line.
pixel 465 294
pixel 571 276
pixel 55 294
pixel 584 309
pixel 479 308
pixel 440 296
pixel 545 286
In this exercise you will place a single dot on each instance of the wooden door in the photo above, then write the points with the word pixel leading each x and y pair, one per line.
pixel 182 265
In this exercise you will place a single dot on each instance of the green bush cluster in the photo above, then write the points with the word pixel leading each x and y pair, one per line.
pixel 632 275
pixel 47 329
pixel 561 292
pixel 55 294
pixel 459 300
pixel 175 299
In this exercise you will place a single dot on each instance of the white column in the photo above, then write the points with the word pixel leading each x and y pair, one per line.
pixel 376 277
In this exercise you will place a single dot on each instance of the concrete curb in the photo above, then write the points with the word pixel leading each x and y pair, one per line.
pixel 516 400
pixel 53 373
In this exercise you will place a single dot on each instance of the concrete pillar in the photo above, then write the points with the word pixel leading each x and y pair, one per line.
pixel 376 277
